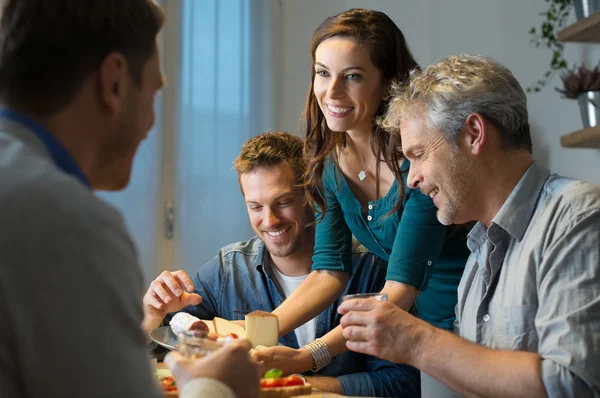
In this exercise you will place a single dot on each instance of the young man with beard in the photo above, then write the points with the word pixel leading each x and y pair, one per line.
pixel 260 273
pixel 528 311
pixel 77 87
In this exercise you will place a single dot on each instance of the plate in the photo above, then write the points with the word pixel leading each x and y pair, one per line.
pixel 165 337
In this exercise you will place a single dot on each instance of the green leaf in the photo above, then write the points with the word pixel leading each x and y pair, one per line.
pixel 273 373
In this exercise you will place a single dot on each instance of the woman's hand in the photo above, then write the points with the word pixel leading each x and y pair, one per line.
pixel 289 360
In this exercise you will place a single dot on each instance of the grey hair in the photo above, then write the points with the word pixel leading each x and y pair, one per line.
pixel 455 87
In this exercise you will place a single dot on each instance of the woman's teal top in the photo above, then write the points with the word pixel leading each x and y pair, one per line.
pixel 412 241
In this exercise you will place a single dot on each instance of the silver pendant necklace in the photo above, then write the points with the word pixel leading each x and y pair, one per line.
pixel 362 174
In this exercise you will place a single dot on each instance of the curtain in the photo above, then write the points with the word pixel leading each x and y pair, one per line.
pixel 224 97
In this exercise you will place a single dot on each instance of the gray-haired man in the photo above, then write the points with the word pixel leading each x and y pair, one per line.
pixel 530 295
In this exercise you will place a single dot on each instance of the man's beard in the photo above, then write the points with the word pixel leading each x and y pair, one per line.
pixel 458 185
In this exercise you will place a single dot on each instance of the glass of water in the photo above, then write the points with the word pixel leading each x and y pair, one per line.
pixel 197 344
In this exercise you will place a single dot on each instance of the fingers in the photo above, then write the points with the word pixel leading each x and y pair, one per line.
pixel 171 282
pixel 359 305
pixel 263 355
pixel 363 347
pixel 153 300
pixel 356 333
pixel 166 287
pixel 355 318
pixel 240 345
pixel 184 280
pixel 161 291
pixel 190 299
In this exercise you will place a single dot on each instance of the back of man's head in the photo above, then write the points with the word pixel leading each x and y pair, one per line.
pixel 272 149
pixel 49 47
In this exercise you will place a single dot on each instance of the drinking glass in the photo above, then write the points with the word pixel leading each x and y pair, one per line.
pixel 196 344
pixel 376 296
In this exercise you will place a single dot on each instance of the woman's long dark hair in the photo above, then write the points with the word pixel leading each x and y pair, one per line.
pixel 391 55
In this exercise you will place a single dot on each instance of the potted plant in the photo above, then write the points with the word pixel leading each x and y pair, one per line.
pixel 583 85
pixel 555 19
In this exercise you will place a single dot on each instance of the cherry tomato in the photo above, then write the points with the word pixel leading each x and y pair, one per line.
pixel 292 381
pixel 168 384
pixel 270 382
pixel 235 336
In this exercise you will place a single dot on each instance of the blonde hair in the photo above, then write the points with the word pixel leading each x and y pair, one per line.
pixel 453 88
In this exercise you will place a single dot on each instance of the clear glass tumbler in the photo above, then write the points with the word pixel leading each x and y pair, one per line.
pixel 196 344
pixel 376 296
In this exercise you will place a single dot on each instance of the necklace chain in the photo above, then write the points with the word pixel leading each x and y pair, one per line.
pixel 362 174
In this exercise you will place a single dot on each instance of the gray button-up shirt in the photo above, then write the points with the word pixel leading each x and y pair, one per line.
pixel 532 282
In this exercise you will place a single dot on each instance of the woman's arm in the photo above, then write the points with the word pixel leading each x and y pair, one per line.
pixel 314 295
pixel 332 264
pixel 301 360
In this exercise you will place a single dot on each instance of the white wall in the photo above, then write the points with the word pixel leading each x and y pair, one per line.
pixel 435 29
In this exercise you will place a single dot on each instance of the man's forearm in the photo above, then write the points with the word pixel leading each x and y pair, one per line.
pixel 329 384
pixel 317 292
pixel 149 324
pixel 473 370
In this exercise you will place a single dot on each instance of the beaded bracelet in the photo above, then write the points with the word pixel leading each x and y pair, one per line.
pixel 320 353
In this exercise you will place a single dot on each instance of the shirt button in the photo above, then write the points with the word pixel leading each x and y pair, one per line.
pixel 370 207
pixel 429 263
pixel 486 317
pixel 369 218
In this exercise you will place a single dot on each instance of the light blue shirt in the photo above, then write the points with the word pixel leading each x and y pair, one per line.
pixel 532 282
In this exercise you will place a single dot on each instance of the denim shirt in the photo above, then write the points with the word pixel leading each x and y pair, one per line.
pixel 532 282
pixel 240 280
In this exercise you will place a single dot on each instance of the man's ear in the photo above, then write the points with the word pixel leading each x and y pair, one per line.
pixel 475 133
pixel 112 81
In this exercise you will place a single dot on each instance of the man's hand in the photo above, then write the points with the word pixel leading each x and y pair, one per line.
pixel 382 329
pixel 289 360
pixel 169 292
pixel 231 365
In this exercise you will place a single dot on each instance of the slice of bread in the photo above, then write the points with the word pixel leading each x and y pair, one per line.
pixel 285 392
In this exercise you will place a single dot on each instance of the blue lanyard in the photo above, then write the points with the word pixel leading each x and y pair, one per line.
pixel 61 157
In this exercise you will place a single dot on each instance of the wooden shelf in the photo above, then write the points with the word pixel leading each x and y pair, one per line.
pixel 585 30
pixel 586 138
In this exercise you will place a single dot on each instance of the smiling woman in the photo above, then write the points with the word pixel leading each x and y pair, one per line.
pixel 357 186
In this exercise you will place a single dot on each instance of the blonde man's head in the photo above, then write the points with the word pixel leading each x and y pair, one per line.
pixel 450 90
pixel 272 149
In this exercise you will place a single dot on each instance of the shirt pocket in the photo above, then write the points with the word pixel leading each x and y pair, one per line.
pixel 513 328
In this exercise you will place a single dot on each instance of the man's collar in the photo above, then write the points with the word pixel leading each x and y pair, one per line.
pixel 59 154
pixel 516 212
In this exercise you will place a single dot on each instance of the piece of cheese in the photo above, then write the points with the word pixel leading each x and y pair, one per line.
pixel 262 328
pixel 224 327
